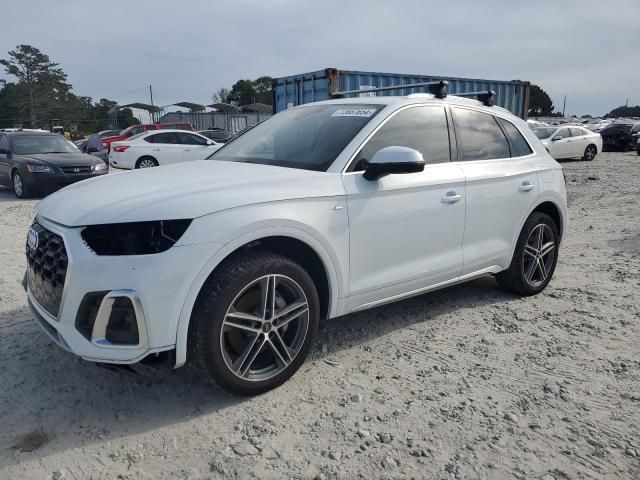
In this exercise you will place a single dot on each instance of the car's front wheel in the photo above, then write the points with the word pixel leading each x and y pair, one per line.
pixel 535 256
pixel 254 322
pixel 19 187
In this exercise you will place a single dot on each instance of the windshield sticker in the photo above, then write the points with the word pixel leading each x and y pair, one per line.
pixel 354 112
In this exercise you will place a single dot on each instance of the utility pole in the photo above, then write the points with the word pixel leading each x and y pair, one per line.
pixel 153 114
pixel 564 104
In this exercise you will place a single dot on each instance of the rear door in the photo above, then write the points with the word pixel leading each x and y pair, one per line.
pixel 579 141
pixel 501 186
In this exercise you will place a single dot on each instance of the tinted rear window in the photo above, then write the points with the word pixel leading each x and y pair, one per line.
pixel 519 146
pixel 480 136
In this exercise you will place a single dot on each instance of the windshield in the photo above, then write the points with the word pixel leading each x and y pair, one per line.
pixel 29 145
pixel 309 137
pixel 544 132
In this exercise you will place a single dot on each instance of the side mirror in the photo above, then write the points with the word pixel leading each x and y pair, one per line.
pixel 92 149
pixel 210 142
pixel 4 151
pixel 394 160
pixel 555 139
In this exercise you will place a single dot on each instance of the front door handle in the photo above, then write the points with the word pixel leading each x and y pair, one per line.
pixel 451 197
pixel 527 187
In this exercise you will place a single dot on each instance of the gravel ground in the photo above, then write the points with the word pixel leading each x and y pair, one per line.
pixel 467 382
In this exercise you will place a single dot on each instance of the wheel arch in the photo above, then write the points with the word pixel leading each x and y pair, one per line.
pixel 292 243
pixel 550 208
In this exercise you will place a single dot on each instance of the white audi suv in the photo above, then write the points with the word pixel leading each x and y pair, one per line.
pixel 322 210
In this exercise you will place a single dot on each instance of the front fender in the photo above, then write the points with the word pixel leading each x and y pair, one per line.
pixel 334 254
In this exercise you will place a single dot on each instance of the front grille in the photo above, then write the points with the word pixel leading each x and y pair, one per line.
pixel 71 170
pixel 46 267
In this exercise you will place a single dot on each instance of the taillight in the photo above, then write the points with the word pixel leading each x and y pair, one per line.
pixel 120 148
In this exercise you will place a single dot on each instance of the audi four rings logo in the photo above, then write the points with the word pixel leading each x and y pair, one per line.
pixel 32 239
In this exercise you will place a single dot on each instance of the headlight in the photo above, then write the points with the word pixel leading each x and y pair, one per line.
pixel 136 238
pixel 99 166
pixel 38 168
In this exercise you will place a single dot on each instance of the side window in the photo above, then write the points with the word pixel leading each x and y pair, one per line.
pixel 561 134
pixel 576 132
pixel 422 128
pixel 136 130
pixel 168 137
pixel 481 138
pixel 519 146
pixel 191 139
pixel 636 128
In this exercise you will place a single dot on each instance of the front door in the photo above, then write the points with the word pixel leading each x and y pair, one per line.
pixel 405 229
pixel 561 144
pixel 194 147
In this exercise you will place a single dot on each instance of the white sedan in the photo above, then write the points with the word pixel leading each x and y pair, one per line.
pixel 160 147
pixel 570 142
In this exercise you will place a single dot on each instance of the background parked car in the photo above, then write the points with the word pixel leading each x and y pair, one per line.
pixel 41 162
pixel 219 135
pixel 136 129
pixel 152 149
pixel 570 142
pixel 618 137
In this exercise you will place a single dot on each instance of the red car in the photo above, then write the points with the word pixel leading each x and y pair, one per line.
pixel 136 129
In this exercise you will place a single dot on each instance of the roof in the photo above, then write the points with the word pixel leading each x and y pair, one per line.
pixel 30 133
pixel 141 106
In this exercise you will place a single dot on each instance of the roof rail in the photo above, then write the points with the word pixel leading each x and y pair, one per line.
pixel 439 89
pixel 485 96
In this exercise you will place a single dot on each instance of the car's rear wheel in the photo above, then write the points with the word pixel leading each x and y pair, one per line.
pixel 19 187
pixel 254 322
pixel 589 153
pixel 146 162
pixel 535 256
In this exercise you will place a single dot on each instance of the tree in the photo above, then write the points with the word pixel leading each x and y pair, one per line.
pixel 44 82
pixel 540 104
pixel 263 87
pixel 221 96
pixel 242 93
pixel 624 112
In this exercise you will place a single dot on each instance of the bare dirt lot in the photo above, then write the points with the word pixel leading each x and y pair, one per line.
pixel 467 382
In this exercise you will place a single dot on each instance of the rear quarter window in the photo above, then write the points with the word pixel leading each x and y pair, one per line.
pixel 519 146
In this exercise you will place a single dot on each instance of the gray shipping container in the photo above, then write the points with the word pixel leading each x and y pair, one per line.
pixel 315 86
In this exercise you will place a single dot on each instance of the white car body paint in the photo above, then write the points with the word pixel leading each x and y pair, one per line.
pixel 163 153
pixel 379 241
pixel 573 146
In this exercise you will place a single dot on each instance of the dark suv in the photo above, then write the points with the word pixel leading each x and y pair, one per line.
pixel 41 162
pixel 620 137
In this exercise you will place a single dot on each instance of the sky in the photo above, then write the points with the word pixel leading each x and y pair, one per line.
pixel 588 50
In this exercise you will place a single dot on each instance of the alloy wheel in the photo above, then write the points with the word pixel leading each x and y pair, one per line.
pixel 539 255
pixel 590 153
pixel 17 185
pixel 147 163
pixel 264 328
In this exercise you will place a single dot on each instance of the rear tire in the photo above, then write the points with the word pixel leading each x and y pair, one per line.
pixel 589 153
pixel 20 189
pixel 535 257
pixel 146 162
pixel 254 322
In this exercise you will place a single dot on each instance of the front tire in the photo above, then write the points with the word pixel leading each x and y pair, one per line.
pixel 535 257
pixel 254 322
pixel 590 153
pixel 20 189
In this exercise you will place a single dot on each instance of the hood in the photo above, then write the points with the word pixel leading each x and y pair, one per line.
pixel 186 190
pixel 59 159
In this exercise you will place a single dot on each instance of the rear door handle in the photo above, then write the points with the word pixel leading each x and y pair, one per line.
pixel 451 197
pixel 527 187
